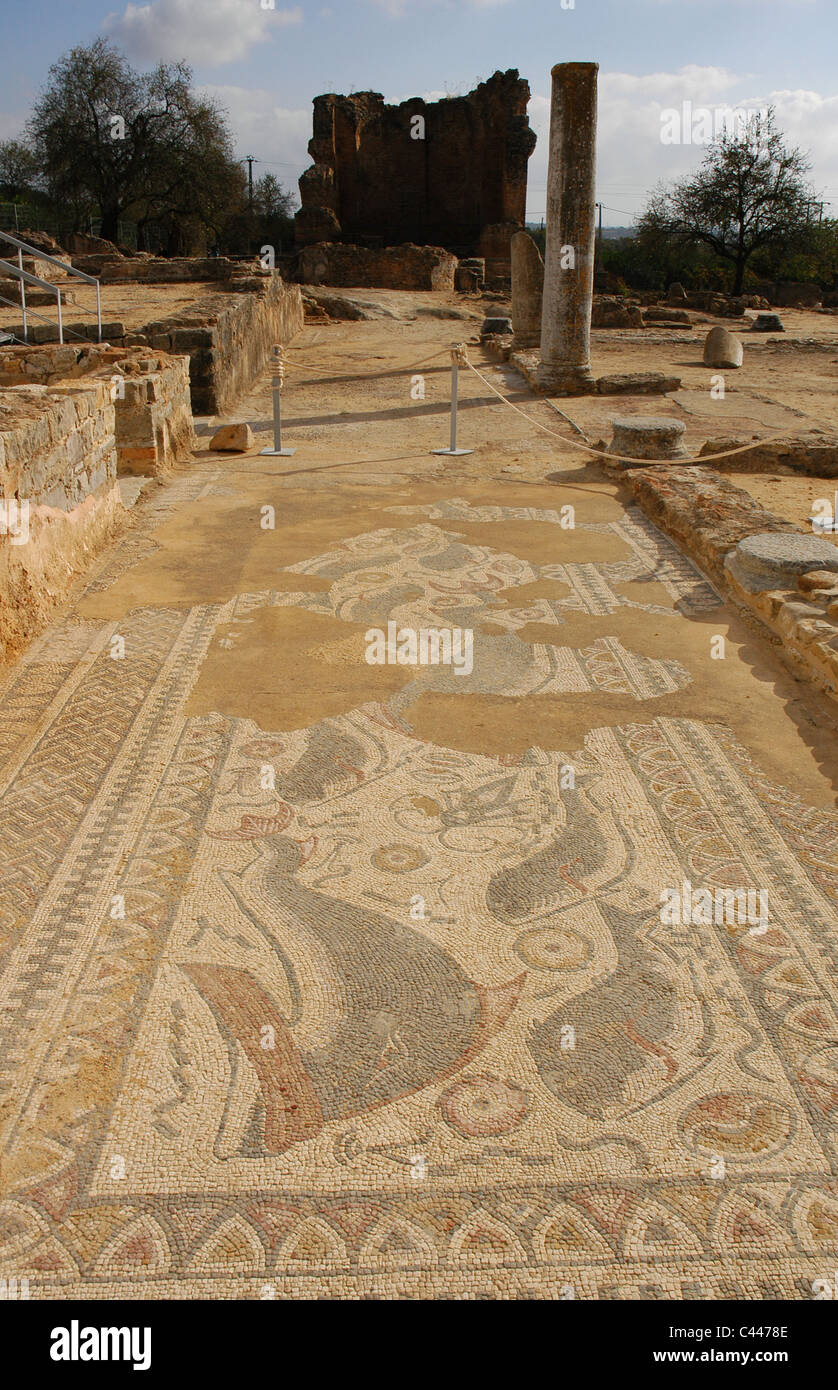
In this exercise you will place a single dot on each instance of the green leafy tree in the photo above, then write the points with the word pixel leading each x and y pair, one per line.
pixel 749 194
pixel 139 145
pixel 18 168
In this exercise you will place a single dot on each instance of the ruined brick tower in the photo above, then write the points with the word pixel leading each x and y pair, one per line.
pixel 463 186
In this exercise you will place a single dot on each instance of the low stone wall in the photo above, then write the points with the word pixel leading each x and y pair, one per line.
pixel 406 267
pixel 60 497
pixel 227 336
pixel 708 516
pixel 155 270
pixel 154 429
pixel 154 425
pixel 815 454
pixel 704 512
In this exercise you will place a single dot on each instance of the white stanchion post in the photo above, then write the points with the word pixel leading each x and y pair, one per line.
pixel 458 357
pixel 278 377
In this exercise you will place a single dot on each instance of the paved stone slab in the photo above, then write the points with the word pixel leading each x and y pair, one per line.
pixel 637 384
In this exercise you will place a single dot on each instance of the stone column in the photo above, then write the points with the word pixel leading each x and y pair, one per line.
pixel 571 229
pixel 527 287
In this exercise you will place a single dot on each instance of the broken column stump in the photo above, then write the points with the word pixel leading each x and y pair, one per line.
pixel 527 290
pixel 776 560
pixel 648 438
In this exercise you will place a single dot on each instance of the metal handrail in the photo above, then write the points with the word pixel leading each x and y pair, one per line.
pixel 68 270
pixel 13 304
pixel 27 278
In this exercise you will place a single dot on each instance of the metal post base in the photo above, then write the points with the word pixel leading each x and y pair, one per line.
pixel 452 452
pixel 278 453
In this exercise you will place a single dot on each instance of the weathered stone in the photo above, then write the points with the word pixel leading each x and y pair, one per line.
pixel 571 229
pixel 674 318
pixel 677 293
pixel 767 323
pixel 473 265
pixel 637 384
pixel 232 438
pixel 704 511
pixel 772 561
pixel 466 281
pixel 813 580
pixel 527 290
pixel 405 267
pixel 499 325
pixel 722 349
pixel 468 170
pixel 648 437
pixel 611 312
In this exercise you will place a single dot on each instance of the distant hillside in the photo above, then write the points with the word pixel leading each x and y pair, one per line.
pixel 536 230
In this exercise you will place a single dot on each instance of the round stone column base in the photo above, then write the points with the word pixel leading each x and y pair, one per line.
pixel 639 437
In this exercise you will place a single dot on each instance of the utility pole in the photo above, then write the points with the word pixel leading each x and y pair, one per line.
pixel 250 161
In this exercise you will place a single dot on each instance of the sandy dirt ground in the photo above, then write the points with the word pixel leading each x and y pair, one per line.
pixel 331 977
pixel 132 305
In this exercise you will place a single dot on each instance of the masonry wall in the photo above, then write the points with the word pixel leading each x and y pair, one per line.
pixel 372 180
pixel 228 339
pixel 227 336
pixel 154 428
pixel 60 497
pixel 395 267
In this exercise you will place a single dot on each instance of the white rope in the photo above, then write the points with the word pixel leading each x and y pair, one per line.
pixel 620 458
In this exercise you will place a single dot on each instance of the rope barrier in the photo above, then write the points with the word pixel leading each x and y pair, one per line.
pixel 354 376
pixel 458 355
pixel 278 376
pixel 619 458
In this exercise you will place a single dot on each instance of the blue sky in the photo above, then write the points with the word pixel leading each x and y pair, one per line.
pixel 265 66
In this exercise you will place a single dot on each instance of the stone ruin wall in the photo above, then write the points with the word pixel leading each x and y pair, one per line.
pixel 463 187
pixel 57 460
pixel 153 425
pixel 393 267
pixel 71 422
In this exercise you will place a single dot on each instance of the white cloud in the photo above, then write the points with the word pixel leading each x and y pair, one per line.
pixel 397 9
pixel 630 157
pixel 209 32
pixel 276 135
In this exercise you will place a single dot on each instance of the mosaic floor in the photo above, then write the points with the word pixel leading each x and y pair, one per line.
pixel 339 1010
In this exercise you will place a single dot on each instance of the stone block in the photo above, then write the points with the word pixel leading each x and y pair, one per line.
pixel 235 438
pixel 497 325
pixel 637 384
pixel 722 349
pixel 768 323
